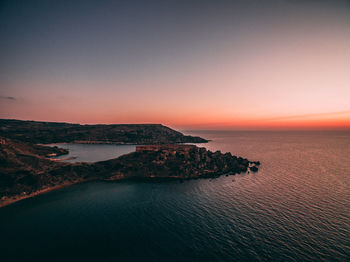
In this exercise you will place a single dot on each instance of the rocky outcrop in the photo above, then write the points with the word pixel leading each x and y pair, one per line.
pixel 253 168
pixel 51 132
pixel 26 171
pixel 176 161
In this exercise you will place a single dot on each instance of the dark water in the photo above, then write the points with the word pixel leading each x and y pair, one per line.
pixel 296 208
pixel 93 152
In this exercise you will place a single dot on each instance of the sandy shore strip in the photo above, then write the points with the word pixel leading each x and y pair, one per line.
pixel 13 199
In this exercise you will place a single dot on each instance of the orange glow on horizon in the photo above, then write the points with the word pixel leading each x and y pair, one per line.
pixel 288 70
pixel 276 80
pixel 327 121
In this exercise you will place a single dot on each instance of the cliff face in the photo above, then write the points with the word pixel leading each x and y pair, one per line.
pixel 25 170
pixel 50 132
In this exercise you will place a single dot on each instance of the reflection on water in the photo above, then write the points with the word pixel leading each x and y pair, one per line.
pixel 296 208
pixel 93 152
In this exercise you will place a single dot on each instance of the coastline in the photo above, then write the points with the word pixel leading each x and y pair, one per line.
pixel 29 169
pixel 119 177
pixel 11 200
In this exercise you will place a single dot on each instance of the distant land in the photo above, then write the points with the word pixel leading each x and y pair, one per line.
pixel 27 169
pixel 55 132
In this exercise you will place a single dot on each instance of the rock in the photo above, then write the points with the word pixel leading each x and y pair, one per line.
pixel 254 168
pixel 243 168
pixel 245 162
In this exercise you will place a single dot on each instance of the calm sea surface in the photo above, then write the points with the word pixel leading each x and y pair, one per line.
pixel 93 152
pixel 296 208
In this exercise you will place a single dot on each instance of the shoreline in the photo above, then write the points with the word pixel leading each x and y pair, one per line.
pixel 159 162
pixel 115 143
pixel 18 198
pixel 12 200
pixel 91 143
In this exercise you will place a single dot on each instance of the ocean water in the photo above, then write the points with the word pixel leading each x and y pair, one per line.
pixel 296 208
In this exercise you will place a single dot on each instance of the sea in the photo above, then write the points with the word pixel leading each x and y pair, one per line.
pixel 295 208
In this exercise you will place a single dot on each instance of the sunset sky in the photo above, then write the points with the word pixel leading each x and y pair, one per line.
pixel 186 64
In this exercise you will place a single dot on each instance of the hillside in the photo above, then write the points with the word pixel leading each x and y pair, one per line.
pixel 52 132
pixel 25 169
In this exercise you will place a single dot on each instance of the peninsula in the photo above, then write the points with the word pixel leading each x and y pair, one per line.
pixel 26 169
pixel 56 132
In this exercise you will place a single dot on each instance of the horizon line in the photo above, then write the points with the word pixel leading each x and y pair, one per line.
pixel 207 128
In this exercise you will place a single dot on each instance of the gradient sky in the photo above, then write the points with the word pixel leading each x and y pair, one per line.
pixel 282 64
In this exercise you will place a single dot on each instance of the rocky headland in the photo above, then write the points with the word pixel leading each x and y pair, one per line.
pixel 27 169
pixel 174 161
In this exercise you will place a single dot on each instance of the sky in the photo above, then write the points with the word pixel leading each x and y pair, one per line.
pixel 246 65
